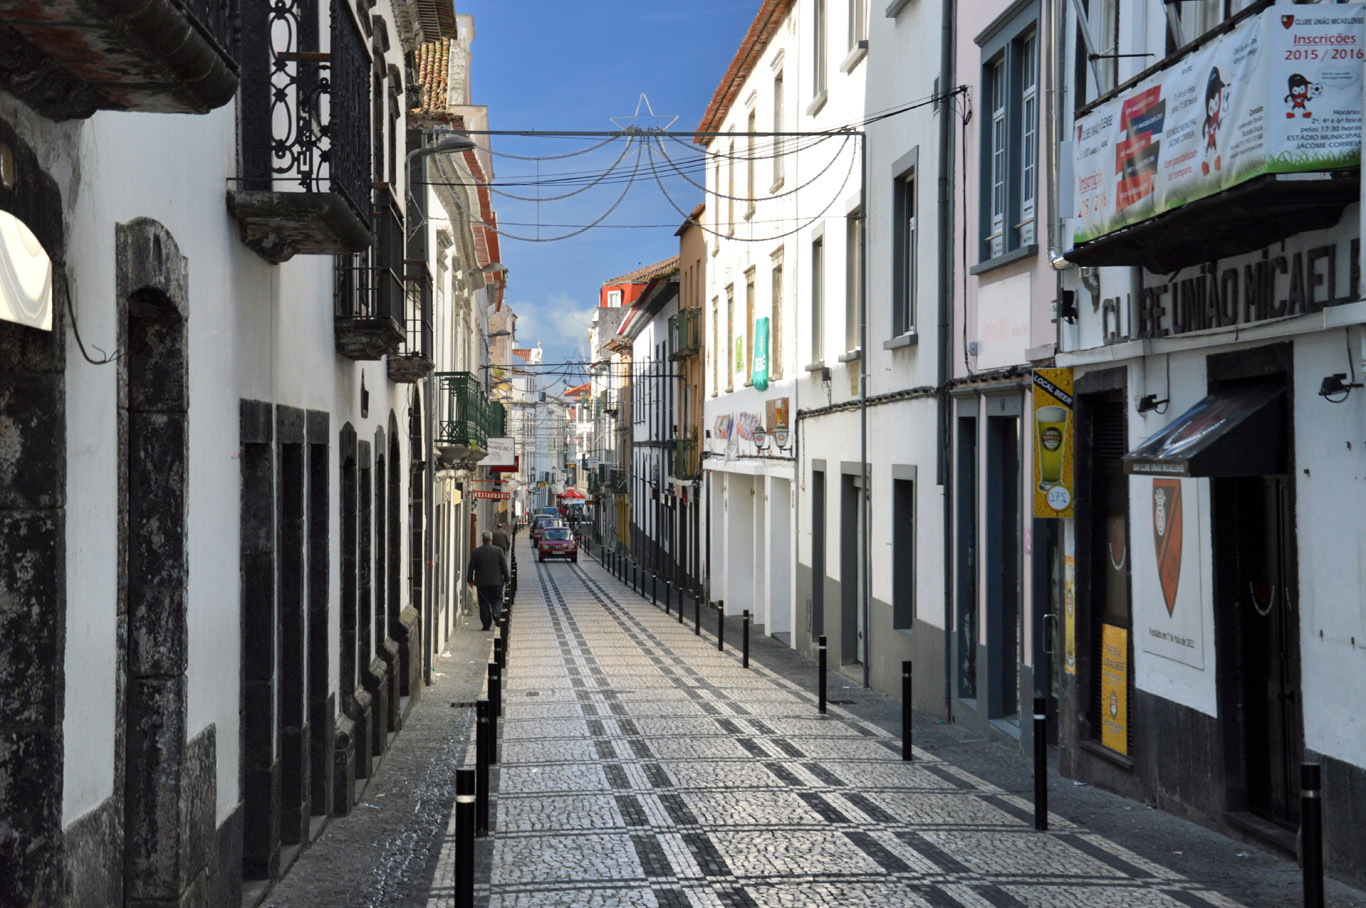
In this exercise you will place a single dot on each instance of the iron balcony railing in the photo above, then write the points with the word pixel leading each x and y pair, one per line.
pixel 462 411
pixel 418 283
pixel 216 20
pixel 305 111
pixel 370 284
pixel 687 464
pixel 685 333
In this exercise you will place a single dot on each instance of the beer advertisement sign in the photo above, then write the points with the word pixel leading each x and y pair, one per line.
pixel 1114 688
pixel 1053 443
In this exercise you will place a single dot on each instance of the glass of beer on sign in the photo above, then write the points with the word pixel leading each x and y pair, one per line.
pixel 1050 427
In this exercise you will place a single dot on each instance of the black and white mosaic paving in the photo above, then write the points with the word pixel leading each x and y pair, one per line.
pixel 642 768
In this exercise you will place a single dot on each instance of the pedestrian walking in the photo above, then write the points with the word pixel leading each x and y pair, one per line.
pixel 501 538
pixel 489 574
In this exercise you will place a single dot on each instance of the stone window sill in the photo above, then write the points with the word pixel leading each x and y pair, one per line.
pixel 816 104
pixel 856 55
pixel 909 339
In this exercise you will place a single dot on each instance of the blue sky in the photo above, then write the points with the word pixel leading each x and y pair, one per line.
pixel 573 66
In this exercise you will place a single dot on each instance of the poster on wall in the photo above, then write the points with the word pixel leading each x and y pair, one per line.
pixel 1053 430
pixel 1280 93
pixel 1173 610
pixel 1114 688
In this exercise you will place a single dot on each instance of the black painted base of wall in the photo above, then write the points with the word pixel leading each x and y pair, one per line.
pixel 343 766
pixel 1344 806
pixel 376 682
pixel 225 883
pixel 409 639
pixel 94 858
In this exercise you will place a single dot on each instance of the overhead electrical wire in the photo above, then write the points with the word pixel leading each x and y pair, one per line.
pixel 615 174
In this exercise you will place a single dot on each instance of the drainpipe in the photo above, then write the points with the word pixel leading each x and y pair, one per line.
pixel 945 225
pixel 429 517
pixel 865 553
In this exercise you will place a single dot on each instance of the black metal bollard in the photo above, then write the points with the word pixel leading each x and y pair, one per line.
pixel 696 614
pixel 669 598
pixel 1040 763
pixel 744 641
pixel 495 709
pixel 654 591
pixel 720 625
pixel 906 710
pixel 498 648
pixel 602 558
pixel 464 838
pixel 483 746
pixel 820 670
pixel 680 605
pixel 1311 832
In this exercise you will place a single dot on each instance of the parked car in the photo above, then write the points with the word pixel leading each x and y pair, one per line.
pixel 540 523
pixel 557 542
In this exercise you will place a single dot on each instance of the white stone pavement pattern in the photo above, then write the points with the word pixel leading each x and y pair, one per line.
pixel 642 768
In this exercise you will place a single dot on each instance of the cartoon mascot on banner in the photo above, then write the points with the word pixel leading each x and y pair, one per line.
pixel 1216 108
pixel 1300 91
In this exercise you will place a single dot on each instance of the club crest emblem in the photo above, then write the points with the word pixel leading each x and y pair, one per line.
pixel 1167 536
pixel 1287 21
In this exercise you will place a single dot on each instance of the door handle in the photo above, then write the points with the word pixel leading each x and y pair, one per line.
pixel 1048 637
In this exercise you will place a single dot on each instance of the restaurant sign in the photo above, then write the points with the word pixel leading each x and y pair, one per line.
pixel 1279 93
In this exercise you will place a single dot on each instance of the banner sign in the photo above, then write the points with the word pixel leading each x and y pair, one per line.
pixel 492 496
pixel 514 467
pixel 501 453
pixel 1114 688
pixel 25 276
pixel 1280 93
pixel 760 375
pixel 1053 431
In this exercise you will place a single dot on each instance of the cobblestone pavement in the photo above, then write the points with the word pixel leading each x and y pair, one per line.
pixel 642 767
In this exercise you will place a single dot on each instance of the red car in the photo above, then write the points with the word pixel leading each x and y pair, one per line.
pixel 557 542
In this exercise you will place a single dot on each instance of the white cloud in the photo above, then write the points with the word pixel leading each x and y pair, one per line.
pixel 559 324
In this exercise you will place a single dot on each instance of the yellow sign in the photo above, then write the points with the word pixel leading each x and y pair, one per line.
pixel 1114 688
pixel 1053 443
pixel 1069 618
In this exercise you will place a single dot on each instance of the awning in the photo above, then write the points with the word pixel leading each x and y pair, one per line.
pixel 1235 431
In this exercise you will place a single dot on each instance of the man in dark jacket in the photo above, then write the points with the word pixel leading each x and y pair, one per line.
pixel 502 540
pixel 488 574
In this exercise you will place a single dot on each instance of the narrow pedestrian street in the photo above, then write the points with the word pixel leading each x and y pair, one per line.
pixel 640 766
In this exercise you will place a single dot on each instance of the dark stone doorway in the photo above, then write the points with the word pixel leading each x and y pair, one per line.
pixel 169 782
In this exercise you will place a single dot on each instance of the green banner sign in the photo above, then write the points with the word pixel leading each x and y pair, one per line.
pixel 760 376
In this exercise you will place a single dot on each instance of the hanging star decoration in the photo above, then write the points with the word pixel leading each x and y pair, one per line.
pixel 628 124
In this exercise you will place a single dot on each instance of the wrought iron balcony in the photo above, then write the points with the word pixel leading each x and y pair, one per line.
pixel 68 60
pixel 610 400
pixel 687 464
pixel 685 333
pixel 462 418
pixel 304 183
pixel 413 361
pixel 370 318
pixel 616 480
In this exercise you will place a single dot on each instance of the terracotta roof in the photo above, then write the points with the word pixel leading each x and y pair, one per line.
pixel 433 69
pixel 766 22
pixel 643 275
pixel 693 220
